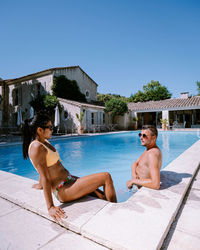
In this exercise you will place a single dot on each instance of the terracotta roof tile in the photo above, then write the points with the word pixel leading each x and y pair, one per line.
pixel 166 104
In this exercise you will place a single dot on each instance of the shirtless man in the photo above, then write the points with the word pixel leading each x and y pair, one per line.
pixel 146 169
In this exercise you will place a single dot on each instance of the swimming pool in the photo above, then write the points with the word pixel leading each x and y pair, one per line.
pixel 114 153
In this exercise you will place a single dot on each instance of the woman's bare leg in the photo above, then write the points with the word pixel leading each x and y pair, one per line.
pixel 87 184
pixel 97 193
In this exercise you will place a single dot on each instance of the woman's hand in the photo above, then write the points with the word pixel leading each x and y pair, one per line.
pixel 37 186
pixel 57 213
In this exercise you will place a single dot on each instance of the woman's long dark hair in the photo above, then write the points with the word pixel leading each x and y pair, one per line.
pixel 29 130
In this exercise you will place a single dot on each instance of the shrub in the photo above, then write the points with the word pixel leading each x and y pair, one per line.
pixel 116 107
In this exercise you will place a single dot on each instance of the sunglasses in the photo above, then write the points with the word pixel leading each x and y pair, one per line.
pixel 49 127
pixel 143 135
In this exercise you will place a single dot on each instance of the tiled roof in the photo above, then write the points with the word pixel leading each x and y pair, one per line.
pixel 46 71
pixel 172 103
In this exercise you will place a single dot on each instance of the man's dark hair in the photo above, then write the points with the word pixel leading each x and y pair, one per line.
pixel 152 128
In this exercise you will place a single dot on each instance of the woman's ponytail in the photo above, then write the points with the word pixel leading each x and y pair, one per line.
pixel 26 136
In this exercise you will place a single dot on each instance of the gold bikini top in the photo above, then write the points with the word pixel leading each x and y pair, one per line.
pixel 52 156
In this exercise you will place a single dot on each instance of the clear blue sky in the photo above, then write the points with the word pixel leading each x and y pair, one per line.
pixel 121 44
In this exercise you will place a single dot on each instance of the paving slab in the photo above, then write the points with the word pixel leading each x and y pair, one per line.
pixel 189 221
pixel 173 181
pixel 125 225
pixel 72 241
pixel 194 198
pixel 5 175
pixel 25 230
pixel 7 207
pixel 81 211
pixel 22 230
pixel 183 241
pixel 185 162
pixel 196 183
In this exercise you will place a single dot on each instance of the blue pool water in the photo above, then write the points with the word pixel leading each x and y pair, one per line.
pixel 113 153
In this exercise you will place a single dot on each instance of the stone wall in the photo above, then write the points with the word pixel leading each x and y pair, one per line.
pixel 83 81
pixel 24 92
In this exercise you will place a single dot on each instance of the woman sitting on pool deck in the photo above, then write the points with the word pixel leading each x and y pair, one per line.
pixel 53 177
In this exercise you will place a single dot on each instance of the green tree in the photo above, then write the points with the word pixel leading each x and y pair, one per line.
pixel 103 97
pixel 198 87
pixel 46 103
pixel 67 89
pixel 116 107
pixel 138 97
pixel 106 97
pixel 152 91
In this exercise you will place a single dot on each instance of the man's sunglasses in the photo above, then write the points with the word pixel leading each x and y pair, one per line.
pixel 143 135
pixel 49 127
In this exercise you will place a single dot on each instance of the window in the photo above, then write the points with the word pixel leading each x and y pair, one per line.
pixel 87 94
pixel 65 114
pixel 38 87
pixel 103 118
pixel 17 96
pixel 92 118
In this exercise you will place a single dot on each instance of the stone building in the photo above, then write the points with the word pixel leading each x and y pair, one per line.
pixel 16 94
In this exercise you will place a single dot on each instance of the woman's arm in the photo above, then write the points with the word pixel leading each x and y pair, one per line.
pixel 38 185
pixel 38 156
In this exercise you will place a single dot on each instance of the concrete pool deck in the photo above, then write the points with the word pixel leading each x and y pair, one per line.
pixel 142 222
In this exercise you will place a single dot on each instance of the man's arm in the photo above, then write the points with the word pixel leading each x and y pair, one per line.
pixel 154 180
pixel 133 172
pixel 133 169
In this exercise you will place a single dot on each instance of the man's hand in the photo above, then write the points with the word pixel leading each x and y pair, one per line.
pixel 129 184
pixel 37 186
pixel 56 213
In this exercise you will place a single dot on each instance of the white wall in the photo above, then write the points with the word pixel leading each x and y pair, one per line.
pixel 46 83
pixel 124 122
pixel 71 123
pixel 165 114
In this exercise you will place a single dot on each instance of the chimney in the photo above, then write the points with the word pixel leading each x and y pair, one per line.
pixel 184 95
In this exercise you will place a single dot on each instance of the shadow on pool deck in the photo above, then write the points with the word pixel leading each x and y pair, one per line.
pixel 171 178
